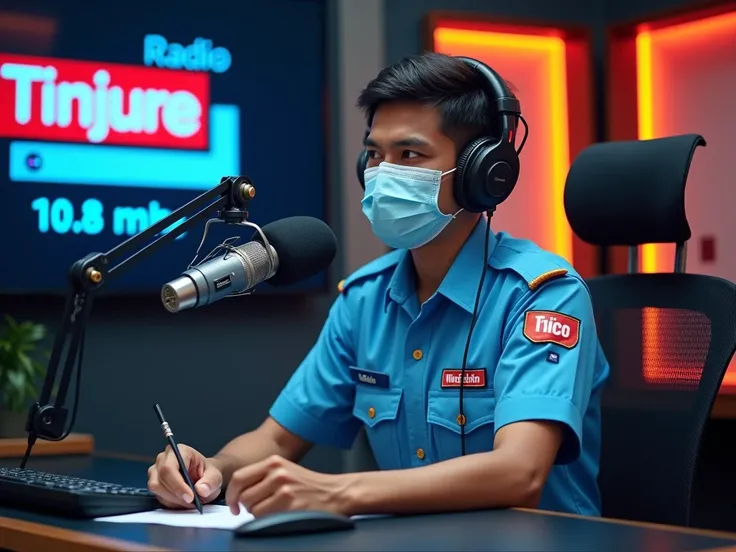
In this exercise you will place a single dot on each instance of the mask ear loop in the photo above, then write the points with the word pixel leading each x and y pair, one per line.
pixel 444 174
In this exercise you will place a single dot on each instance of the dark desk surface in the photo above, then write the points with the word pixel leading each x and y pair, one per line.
pixel 503 530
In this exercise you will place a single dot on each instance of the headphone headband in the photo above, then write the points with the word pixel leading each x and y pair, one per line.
pixel 507 105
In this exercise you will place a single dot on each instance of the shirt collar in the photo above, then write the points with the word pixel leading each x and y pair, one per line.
pixel 460 284
pixel 401 285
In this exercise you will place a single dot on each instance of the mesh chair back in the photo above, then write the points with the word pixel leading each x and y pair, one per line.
pixel 669 339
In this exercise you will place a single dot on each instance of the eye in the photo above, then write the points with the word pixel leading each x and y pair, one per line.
pixel 408 154
pixel 373 154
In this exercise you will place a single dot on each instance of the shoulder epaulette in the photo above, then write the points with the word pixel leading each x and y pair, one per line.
pixel 534 265
pixel 546 277
pixel 373 268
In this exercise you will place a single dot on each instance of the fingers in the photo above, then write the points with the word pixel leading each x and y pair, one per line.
pixel 165 479
pixel 209 484
pixel 241 480
pixel 246 478
pixel 162 494
pixel 268 486
pixel 170 475
pixel 280 501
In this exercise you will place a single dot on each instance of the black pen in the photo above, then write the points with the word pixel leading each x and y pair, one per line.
pixel 182 468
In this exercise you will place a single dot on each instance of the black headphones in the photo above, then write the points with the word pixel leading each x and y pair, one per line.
pixel 488 168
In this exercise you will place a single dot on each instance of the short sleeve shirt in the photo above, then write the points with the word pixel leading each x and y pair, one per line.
pixel 388 364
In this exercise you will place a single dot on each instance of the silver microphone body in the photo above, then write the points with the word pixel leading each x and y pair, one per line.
pixel 240 269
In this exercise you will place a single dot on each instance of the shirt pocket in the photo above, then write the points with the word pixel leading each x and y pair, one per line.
pixel 378 409
pixel 443 410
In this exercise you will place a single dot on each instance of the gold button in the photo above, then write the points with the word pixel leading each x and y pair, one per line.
pixel 417 354
pixel 371 412
pixel 420 454
pixel 461 419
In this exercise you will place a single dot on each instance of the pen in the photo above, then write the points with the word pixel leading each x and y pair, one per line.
pixel 182 468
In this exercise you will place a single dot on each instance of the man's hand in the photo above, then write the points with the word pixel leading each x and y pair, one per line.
pixel 166 482
pixel 276 485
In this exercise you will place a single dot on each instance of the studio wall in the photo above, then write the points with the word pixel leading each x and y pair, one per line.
pixel 657 67
pixel 216 370
pixel 548 68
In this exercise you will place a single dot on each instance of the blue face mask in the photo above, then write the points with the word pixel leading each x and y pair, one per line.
pixel 401 204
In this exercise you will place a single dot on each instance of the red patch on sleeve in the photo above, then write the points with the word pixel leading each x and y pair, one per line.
pixel 552 327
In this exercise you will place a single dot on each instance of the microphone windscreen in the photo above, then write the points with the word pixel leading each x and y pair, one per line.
pixel 304 245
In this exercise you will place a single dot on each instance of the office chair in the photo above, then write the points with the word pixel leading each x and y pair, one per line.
pixel 668 337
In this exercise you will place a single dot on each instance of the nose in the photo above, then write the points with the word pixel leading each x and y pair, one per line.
pixel 394 159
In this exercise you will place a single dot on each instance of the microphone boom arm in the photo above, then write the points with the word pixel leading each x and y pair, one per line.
pixel 229 200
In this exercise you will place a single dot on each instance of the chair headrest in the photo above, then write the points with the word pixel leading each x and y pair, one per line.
pixel 631 193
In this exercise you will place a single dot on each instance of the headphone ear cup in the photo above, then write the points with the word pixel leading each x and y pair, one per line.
pixel 361 166
pixel 487 171
pixel 463 188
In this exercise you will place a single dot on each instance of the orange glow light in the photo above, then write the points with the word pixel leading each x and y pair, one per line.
pixel 648 41
pixel 650 46
pixel 497 45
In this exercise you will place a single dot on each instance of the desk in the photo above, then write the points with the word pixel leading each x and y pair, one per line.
pixel 502 530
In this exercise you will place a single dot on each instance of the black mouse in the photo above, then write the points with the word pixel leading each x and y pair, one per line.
pixel 299 522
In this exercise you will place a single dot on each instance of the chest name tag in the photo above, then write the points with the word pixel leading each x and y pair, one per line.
pixel 475 379
pixel 368 377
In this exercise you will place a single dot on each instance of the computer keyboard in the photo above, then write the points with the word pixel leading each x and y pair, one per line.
pixel 70 496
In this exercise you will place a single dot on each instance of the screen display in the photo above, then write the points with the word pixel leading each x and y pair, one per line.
pixel 113 115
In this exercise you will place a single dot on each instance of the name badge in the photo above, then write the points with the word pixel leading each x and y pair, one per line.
pixel 367 377
pixel 474 379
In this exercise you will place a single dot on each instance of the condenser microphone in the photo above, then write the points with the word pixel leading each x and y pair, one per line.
pixel 299 247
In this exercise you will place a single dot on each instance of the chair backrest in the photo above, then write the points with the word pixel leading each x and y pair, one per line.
pixel 668 337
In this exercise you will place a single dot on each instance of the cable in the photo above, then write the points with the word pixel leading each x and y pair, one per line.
pixel 32 436
pixel 476 306
pixel 526 134
pixel 473 320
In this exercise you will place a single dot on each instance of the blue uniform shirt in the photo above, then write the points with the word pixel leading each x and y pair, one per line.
pixel 387 363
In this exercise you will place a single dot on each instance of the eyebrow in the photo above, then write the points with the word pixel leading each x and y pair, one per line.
pixel 406 142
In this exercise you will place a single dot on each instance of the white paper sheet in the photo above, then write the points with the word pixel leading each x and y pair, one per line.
pixel 212 517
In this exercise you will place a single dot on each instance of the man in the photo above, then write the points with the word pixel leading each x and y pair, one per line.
pixel 388 355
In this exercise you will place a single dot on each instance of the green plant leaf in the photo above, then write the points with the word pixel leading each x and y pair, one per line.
pixel 12 324
pixel 17 379
pixel 20 368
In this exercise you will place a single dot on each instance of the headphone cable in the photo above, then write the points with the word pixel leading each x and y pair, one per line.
pixel 526 134
pixel 461 418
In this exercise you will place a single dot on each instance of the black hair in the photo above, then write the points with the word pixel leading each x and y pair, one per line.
pixel 441 81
